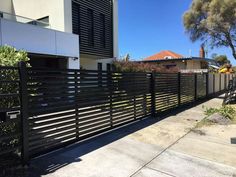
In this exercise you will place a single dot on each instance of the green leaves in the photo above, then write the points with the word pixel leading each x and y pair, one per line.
pixel 226 111
pixel 9 56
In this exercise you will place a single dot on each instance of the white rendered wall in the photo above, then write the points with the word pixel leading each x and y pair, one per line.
pixel 91 64
pixel 59 12
pixel 6 6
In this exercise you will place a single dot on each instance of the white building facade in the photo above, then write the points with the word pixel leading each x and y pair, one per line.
pixel 62 33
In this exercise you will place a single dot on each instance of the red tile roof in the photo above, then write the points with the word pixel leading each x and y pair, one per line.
pixel 164 54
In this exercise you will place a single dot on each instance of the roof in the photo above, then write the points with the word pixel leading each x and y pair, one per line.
pixel 176 59
pixel 163 55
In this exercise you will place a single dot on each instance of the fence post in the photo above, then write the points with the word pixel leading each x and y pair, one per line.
pixel 207 84
pixel 76 105
pixel 214 83
pixel 153 94
pixel 220 84
pixel 195 84
pixel 179 88
pixel 225 82
pixel 24 112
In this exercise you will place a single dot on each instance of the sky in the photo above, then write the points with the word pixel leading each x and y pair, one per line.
pixel 147 27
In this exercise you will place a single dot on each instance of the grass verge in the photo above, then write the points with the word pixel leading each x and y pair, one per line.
pixel 229 112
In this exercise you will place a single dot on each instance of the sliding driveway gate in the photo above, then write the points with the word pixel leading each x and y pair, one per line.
pixel 60 107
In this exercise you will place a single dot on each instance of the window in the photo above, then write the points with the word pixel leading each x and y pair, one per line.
pixel 99 66
pixel 90 27
pixel 108 67
pixel 168 57
pixel 103 31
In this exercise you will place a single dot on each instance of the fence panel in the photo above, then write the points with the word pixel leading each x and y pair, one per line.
pixel 228 79
pixel 222 82
pixel 217 83
pixel 187 88
pixel 201 85
pixel 10 131
pixel 94 102
pixel 131 97
pixel 211 83
pixel 166 91
pixel 52 110
pixel 65 106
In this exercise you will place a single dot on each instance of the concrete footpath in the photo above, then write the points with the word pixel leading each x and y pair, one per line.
pixel 149 149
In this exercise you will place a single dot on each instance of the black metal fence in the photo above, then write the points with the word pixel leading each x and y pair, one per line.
pixel 59 107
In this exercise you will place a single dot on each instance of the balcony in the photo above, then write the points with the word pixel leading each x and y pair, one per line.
pixel 36 37
pixel 44 22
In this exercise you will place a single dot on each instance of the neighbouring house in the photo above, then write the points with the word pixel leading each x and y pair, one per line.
pixel 62 33
pixel 171 59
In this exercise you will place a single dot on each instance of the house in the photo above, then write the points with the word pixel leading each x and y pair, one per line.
pixel 171 59
pixel 62 33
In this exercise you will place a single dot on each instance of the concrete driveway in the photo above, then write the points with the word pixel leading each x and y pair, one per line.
pixel 149 149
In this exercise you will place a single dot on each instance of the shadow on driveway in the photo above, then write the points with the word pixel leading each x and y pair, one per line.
pixel 51 162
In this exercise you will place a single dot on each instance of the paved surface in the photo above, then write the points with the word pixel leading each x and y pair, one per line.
pixel 150 149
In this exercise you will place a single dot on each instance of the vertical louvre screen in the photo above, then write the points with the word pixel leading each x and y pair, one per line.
pixel 102 44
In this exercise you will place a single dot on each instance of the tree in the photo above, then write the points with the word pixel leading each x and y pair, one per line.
pixel 213 21
pixel 126 57
pixel 222 60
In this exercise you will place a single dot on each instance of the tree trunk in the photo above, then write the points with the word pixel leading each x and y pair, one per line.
pixel 228 37
pixel 233 51
pixel 234 54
